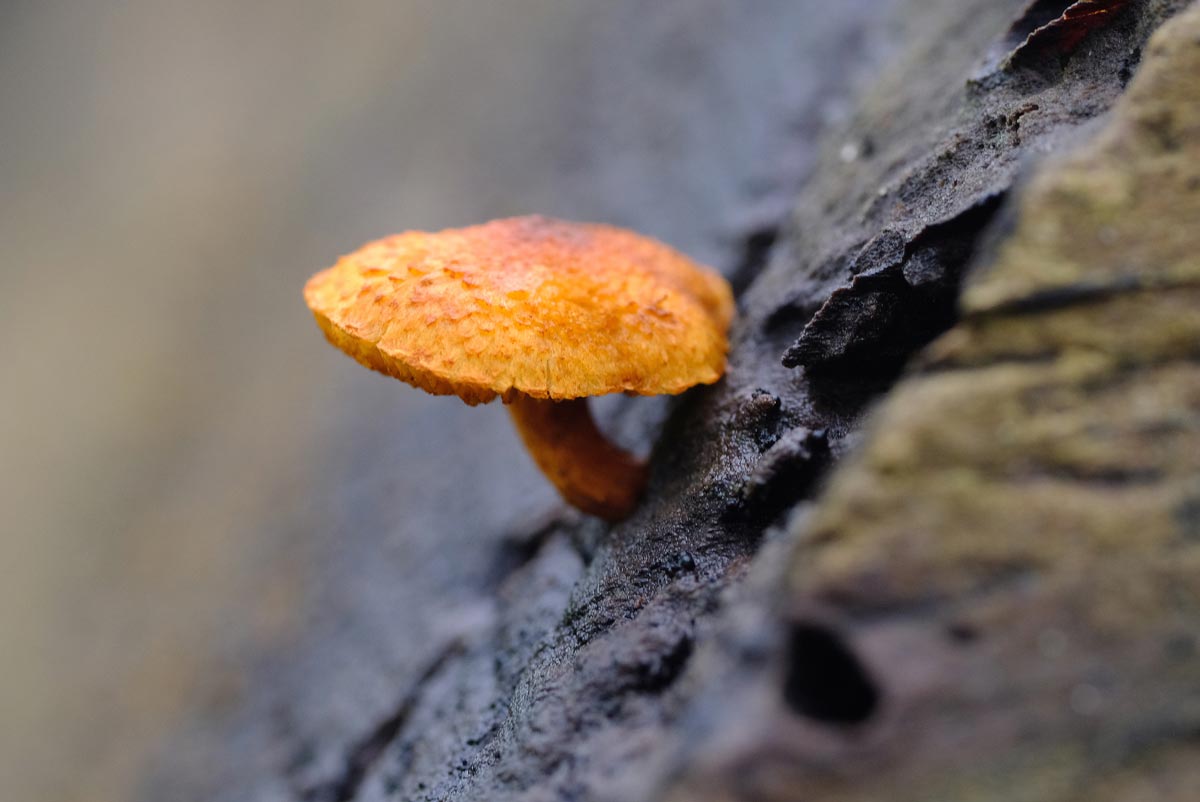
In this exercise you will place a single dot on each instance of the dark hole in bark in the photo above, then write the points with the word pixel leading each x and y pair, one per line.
pixel 825 681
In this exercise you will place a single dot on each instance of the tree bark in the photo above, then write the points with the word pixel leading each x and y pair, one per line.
pixel 866 566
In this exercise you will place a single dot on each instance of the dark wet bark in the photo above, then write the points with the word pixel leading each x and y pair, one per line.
pixel 564 659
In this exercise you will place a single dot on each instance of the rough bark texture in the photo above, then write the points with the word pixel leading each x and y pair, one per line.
pixel 995 596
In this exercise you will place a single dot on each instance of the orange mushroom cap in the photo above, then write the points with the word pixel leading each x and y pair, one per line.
pixel 548 308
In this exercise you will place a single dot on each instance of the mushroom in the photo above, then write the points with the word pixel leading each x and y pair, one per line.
pixel 541 313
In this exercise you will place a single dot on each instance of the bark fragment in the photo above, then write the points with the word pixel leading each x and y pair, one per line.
pixel 1012 557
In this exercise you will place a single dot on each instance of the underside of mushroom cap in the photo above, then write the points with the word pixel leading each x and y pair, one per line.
pixel 529 305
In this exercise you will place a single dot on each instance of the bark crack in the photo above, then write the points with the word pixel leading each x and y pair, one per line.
pixel 366 751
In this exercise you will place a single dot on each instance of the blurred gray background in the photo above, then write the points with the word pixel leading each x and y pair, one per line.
pixel 170 174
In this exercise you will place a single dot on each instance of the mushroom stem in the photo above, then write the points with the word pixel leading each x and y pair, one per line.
pixel 589 471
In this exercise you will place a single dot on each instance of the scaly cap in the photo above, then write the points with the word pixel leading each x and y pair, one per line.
pixel 529 305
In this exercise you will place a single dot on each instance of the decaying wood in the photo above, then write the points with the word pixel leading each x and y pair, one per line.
pixel 995 596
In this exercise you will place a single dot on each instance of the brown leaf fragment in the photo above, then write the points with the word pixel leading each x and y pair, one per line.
pixel 1061 36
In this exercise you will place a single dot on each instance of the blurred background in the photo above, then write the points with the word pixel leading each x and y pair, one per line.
pixel 170 174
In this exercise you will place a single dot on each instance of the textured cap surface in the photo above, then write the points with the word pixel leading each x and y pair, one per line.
pixel 533 305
